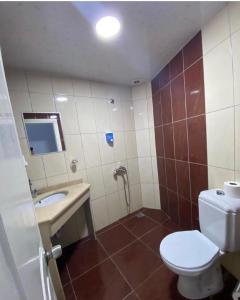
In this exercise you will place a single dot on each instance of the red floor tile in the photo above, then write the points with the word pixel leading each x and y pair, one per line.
pixel 171 226
pixel 156 214
pixel 63 270
pixel 161 285
pixel 104 282
pixel 108 227
pixel 81 257
pixel 132 296
pixel 139 225
pixel 136 262
pixel 154 237
pixel 115 239
pixel 68 291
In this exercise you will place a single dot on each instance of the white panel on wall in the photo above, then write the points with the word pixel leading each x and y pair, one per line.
pixel 234 12
pixel 236 66
pixel 42 102
pixel 39 83
pixel 86 117
pixel 81 88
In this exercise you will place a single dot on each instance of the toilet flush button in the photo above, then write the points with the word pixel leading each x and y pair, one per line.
pixel 220 192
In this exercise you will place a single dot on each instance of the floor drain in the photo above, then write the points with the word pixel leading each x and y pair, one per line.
pixel 140 215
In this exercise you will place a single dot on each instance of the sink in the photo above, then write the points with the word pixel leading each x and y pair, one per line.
pixel 56 197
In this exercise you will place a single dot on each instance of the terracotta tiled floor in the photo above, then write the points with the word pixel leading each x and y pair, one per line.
pixel 123 263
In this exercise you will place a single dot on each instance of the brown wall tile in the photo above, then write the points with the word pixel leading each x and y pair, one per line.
pixel 161 171
pixel 171 174
pixel 185 213
pixel 180 140
pixel 197 139
pixel 183 182
pixel 173 206
pixel 157 111
pixel 199 180
pixel 168 141
pixel 176 65
pixel 155 84
pixel 193 50
pixel 194 86
pixel 178 98
pixel 164 199
pixel 166 104
pixel 159 141
pixel 164 76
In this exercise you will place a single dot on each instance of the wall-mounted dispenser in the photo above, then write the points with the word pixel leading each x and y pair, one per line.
pixel 109 138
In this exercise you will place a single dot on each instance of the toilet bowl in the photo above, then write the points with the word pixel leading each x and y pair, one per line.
pixel 195 259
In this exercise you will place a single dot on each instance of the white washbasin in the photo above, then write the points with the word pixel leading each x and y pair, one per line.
pixel 56 197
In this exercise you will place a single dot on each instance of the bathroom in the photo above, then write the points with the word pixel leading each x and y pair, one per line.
pixel 108 141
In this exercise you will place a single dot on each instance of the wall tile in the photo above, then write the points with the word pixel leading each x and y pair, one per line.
pixel 91 150
pixel 161 171
pixel 81 88
pixel 131 144
pixel 159 141
pixel 128 115
pixel 164 198
pixel 42 102
pixel 16 80
pixel 237 138
pixel 171 174
pixel 106 150
pixel 139 92
pixel 176 65
pixel 152 141
pixel 218 78
pixel 54 164
pixel 234 11
pixel 217 176
pixel 199 180
pixel 193 50
pixel 185 213
pixel 119 149
pixel 99 90
pixel 180 139
pixel 74 150
pixel 157 196
pixel 39 83
pixel 102 118
pixel 220 138
pixel 197 139
pixel 194 85
pixel 133 171
pixel 68 115
pixel 86 116
pixel 136 196
pixel 145 169
pixel 150 113
pixel 82 174
pixel 168 141
pixel 148 195
pixel 178 98
pixel 58 179
pixel 183 181
pixel 143 142
pixel 114 206
pixel 236 66
pixel 95 178
pixel 155 85
pixel 140 114
pixel 116 116
pixel 215 31
pixel 62 86
pixel 154 170
pixel 173 206
pixel 100 215
pixel 39 183
pixel 157 111
pixel 164 76
pixel 166 104
pixel 110 183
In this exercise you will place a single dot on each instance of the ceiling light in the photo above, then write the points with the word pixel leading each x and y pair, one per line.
pixel 61 99
pixel 108 27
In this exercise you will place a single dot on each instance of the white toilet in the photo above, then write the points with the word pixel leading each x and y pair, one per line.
pixel 194 255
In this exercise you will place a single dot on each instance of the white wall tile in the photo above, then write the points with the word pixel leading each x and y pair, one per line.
pixel 116 116
pixel 220 138
pixel 149 90
pixel 110 183
pixel 155 170
pixel 102 117
pixel 54 164
pixel 99 90
pixel 114 206
pixel 81 88
pixel 234 12
pixel 106 150
pixel 140 114
pixel 143 142
pixel 91 150
pixel 215 31
pixel 133 171
pixel 39 83
pixel 100 215
pixel 74 150
pixel 145 169
pixel 131 144
pixel 58 179
pixel 217 176
pixel 62 86
pixel 157 196
pixel 152 141
pixel 86 116
pixel 237 137
pixel 236 66
pixel 16 80
pixel 95 178
pixel 139 92
pixel 39 183
pixel 150 113
pixel 119 149
pixel 42 102
pixel 218 77
pixel 148 197
pixel 128 115
pixel 68 115
pixel 82 174
pixel 136 197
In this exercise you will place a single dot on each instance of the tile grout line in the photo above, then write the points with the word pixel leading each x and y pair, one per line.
pixel 71 282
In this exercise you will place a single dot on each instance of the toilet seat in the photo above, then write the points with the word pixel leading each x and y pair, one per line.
pixel 188 250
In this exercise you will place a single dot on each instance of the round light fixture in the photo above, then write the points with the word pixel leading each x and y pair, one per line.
pixel 108 27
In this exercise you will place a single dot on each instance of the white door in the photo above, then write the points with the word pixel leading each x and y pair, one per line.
pixel 21 253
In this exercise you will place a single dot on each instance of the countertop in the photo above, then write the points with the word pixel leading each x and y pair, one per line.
pixel 50 213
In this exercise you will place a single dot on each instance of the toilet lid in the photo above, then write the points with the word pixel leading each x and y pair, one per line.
pixel 188 249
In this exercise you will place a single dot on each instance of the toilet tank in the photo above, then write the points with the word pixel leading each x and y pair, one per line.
pixel 219 218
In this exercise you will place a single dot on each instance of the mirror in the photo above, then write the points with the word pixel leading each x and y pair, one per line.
pixel 44 132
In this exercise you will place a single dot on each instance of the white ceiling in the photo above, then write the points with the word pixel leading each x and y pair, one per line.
pixel 59 37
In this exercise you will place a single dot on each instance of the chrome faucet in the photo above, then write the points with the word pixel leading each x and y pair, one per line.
pixel 33 191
